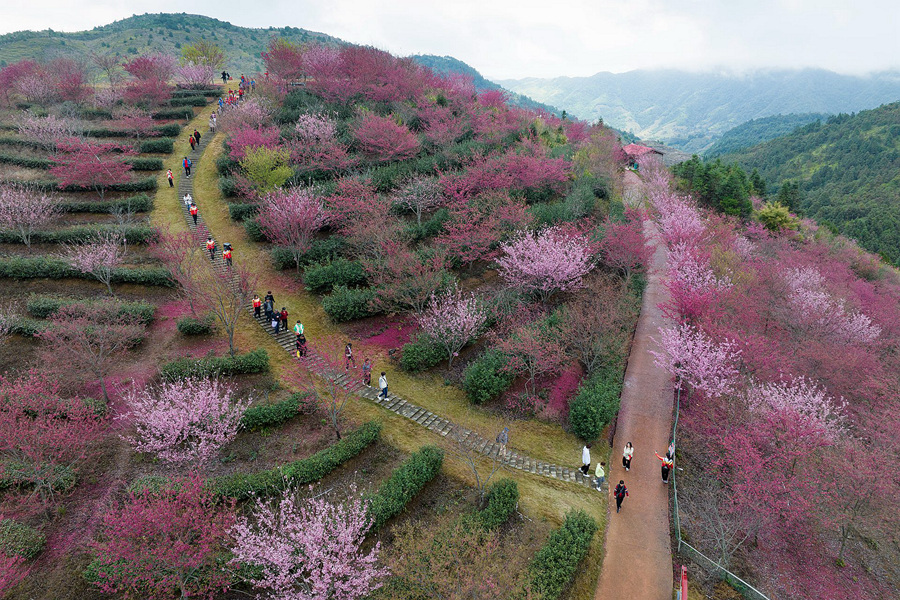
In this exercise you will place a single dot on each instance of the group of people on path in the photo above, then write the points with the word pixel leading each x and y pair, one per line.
pixel 212 247
pixel 621 490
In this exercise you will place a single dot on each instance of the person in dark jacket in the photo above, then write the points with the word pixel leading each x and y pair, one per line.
pixel 620 492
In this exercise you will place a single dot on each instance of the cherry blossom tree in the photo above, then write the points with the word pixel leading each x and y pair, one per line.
pixel 532 347
pixel 41 430
pixel 47 131
pixel 816 309
pixel 546 262
pixel 194 75
pixel 381 139
pixel 69 78
pixel 623 246
pixel 313 128
pixel 284 59
pixel 244 138
pixel 328 393
pixel 290 217
pixel 694 358
pixel 152 66
pixel 185 421
pixel 693 286
pixel 476 227
pixel 406 279
pixel 37 86
pixel 801 399
pixel 453 319
pixel 88 165
pixel 99 257
pixel 90 338
pixel 252 113
pixel 25 211
pixel 158 543
pixel 310 549
pixel 11 74
pixel 183 254
pixel 136 122
pixel 110 64
pixel 419 195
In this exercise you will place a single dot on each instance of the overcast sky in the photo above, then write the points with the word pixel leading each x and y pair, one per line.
pixel 521 38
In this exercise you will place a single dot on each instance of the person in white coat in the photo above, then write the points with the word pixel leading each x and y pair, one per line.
pixel 627 455
pixel 586 459
pixel 382 383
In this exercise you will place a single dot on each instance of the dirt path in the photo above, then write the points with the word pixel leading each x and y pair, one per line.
pixel 638 559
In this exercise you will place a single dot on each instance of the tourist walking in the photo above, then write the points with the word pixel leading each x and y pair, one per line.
pixel 348 356
pixel 211 248
pixel 298 329
pixel 171 177
pixel 269 309
pixel 196 136
pixel 188 200
pixel 187 166
pixel 503 440
pixel 620 492
pixel 276 322
pixel 600 474
pixel 257 305
pixel 586 459
pixel 284 317
pixel 627 454
pixel 300 344
pixel 667 462
pixel 193 210
pixel 192 142
pixel 226 254
pixel 367 372
pixel 382 384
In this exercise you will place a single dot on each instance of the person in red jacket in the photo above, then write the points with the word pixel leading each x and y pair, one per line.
pixel 193 210
pixel 171 178
pixel 667 462
pixel 187 166
pixel 192 141
pixel 283 316
pixel 257 306
pixel 620 492
pixel 211 248
pixel 226 254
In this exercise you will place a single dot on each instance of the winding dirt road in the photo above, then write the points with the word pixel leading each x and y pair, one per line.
pixel 638 558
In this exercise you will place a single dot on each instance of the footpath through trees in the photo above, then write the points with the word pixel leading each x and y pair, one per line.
pixel 637 561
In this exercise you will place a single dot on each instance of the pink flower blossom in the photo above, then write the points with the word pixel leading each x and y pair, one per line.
pixel 453 319
pixel 801 399
pixel 689 354
pixel 546 262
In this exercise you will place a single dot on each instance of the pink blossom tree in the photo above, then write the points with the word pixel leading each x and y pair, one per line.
pixel 546 262
pixel 47 131
pixel 693 286
pixel 10 76
pixel 225 294
pixel 406 279
pixel 694 358
pixel 801 399
pixel 37 86
pixel 381 139
pixel 185 421
pixel 284 59
pixel 41 430
pixel 25 211
pixel 310 549
pixel 245 138
pixel 193 75
pixel 69 78
pixel 156 544
pixel 290 217
pixel 252 113
pixel 98 257
pixel 419 195
pixel 817 310
pixel 477 226
pixel 88 165
pixel 152 66
pixel 453 319
pixel 136 122
pixel 313 128
pixel 623 246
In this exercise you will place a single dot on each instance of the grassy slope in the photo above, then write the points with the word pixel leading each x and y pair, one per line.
pixel 541 498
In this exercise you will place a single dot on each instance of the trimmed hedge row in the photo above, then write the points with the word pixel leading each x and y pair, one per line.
pixel 405 482
pixel 18 539
pixel 240 212
pixel 147 184
pixel 503 498
pixel 189 101
pixel 276 413
pixel 34 267
pixel 137 203
pixel 27 162
pixel 135 234
pixel 254 231
pixel 174 113
pixel 421 354
pixel 210 92
pixel 322 278
pixel 247 485
pixel 146 164
pixel 17 474
pixel 256 361
pixel 43 306
pixel 485 378
pixel 322 250
pixel 345 304
pixel 157 146
pixel 27 327
pixel 192 326
pixel 596 403
pixel 554 565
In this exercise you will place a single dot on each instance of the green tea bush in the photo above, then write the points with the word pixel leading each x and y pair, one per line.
pixel 27 162
pixel 596 403
pixel 192 326
pixel 228 187
pixel 185 113
pixel 502 498
pixel 345 304
pixel 43 306
pixel 323 278
pixel 240 212
pixel 137 234
pixel 226 165
pixel 243 486
pixel 146 164
pixel 33 267
pixel 157 146
pixel 169 130
pixel 256 361
pixel 13 474
pixel 554 565
pixel 276 413
pixel 485 378
pixel 421 354
pixel 189 101
pixel 18 539
pixel 405 482
pixel 138 203
pixel 322 250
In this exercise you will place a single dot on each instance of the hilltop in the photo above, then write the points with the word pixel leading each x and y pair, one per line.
pixel 691 110
pixel 757 131
pixel 848 170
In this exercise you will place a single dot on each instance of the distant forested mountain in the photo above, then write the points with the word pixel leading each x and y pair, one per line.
pixel 165 32
pixel 761 130
pixel 691 110
pixel 848 172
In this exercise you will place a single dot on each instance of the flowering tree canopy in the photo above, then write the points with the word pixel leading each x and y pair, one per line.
pixel 800 399
pixel 381 139
pixel 100 257
pixel 24 210
pixel 290 217
pixel 88 165
pixel 689 354
pixel 546 262
pixel 452 319
pixel 419 195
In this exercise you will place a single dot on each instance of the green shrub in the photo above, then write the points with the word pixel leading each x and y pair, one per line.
pixel 27 327
pixel 226 165
pixel 146 164
pixel 323 250
pixel 17 474
pixel 276 413
pixel 485 378
pixel 189 101
pixel 33 267
pixel 43 306
pixel 228 187
pixel 138 234
pixel 323 278
pixel 186 113
pixel 345 304
pixel 550 214
pixel 95 113
pixel 554 565
pixel 169 130
pixel 151 484
pixel 208 92
pixel 302 472
pixel 503 498
pixel 254 231
pixel 138 203
pixel 147 184
pixel 430 228
pixel 256 361
pixel 242 212
pixel 191 326
pixel 596 403
pixel 157 146
pixel 404 483
pixel 18 539
pixel 27 162
pixel 421 354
